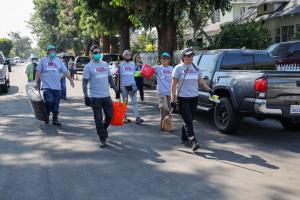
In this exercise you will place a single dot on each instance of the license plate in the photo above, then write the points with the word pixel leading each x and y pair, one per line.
pixel 295 109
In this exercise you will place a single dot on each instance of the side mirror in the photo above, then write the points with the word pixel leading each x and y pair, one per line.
pixel 6 62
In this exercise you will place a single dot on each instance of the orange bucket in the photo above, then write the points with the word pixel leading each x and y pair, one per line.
pixel 119 112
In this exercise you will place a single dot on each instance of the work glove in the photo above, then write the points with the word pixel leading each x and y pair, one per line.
pixel 117 94
pixel 87 101
pixel 72 83
pixel 36 85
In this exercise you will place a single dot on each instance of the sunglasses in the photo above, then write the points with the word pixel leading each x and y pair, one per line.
pixel 164 58
pixel 96 52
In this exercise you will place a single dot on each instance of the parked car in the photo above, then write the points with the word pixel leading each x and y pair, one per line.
pixel 80 62
pixel 65 57
pixel 249 86
pixel 111 57
pixel 286 55
pixel 17 59
pixel 4 74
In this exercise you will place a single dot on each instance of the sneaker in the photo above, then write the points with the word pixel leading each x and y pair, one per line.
pixel 127 121
pixel 103 144
pixel 195 145
pixel 139 120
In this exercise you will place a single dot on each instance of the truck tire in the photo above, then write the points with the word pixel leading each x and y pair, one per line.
pixel 5 88
pixel 290 125
pixel 226 120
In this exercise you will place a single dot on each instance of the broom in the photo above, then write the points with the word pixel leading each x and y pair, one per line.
pixel 167 123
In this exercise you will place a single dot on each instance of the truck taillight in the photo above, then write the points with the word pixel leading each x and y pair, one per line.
pixel 260 87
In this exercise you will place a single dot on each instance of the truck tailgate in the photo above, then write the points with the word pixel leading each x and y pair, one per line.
pixel 283 88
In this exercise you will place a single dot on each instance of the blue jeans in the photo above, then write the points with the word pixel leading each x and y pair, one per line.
pixel 63 87
pixel 52 99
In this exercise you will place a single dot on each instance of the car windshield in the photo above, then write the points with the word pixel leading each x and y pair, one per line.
pixel 83 60
pixel 110 57
pixel 279 50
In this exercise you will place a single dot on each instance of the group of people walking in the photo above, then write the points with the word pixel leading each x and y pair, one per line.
pixel 176 86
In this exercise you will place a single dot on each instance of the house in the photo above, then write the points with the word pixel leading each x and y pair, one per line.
pixel 280 17
pixel 239 8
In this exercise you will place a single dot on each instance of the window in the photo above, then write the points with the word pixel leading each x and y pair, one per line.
pixel 291 32
pixel 295 49
pixel 243 10
pixel 207 62
pixel 264 62
pixel 237 61
pixel 277 35
pixel 215 17
pixel 265 7
pixel 280 50
pixel 297 28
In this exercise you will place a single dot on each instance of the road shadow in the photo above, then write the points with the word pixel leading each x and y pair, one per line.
pixel 11 91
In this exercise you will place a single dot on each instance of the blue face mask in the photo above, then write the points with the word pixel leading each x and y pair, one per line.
pixel 97 56
pixel 52 55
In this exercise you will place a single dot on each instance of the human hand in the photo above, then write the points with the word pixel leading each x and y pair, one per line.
pixel 87 101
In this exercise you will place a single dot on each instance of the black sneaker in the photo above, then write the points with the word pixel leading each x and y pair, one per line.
pixel 56 123
pixel 139 120
pixel 127 121
pixel 195 145
pixel 103 144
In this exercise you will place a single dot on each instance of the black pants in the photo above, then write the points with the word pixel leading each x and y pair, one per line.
pixel 105 105
pixel 140 86
pixel 187 108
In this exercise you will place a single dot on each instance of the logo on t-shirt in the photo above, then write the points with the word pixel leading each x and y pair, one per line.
pixel 191 74
pixel 166 73
pixel 101 72
pixel 128 70
pixel 51 66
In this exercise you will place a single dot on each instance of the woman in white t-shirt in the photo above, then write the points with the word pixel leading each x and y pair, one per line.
pixel 186 79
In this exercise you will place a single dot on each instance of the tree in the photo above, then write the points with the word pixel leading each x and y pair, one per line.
pixel 201 11
pixel 109 19
pixel 5 46
pixel 251 35
pixel 21 45
pixel 165 15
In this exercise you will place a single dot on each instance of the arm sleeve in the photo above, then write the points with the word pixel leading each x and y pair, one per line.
pixel 84 87
pixel 175 73
pixel 40 66
pixel 86 73
pixel 64 69
pixel 199 73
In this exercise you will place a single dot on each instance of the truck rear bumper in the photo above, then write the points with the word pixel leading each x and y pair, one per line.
pixel 260 106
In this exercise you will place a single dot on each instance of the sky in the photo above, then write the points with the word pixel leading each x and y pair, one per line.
pixel 13 17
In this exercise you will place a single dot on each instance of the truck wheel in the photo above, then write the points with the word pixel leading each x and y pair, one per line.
pixel 226 120
pixel 290 125
pixel 5 88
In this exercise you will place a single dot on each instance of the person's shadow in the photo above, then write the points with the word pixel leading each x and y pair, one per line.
pixel 133 150
pixel 225 155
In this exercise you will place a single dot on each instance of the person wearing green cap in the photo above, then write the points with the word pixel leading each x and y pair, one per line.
pixel 163 87
pixel 49 71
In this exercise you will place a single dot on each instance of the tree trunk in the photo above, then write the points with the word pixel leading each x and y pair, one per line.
pixel 114 43
pixel 106 44
pixel 167 38
pixel 124 35
pixel 88 44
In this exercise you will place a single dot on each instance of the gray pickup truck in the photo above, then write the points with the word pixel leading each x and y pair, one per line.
pixel 249 86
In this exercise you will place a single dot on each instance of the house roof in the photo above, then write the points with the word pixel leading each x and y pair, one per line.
pixel 271 1
pixel 290 7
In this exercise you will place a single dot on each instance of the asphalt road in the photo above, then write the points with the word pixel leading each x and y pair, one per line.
pixel 40 161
